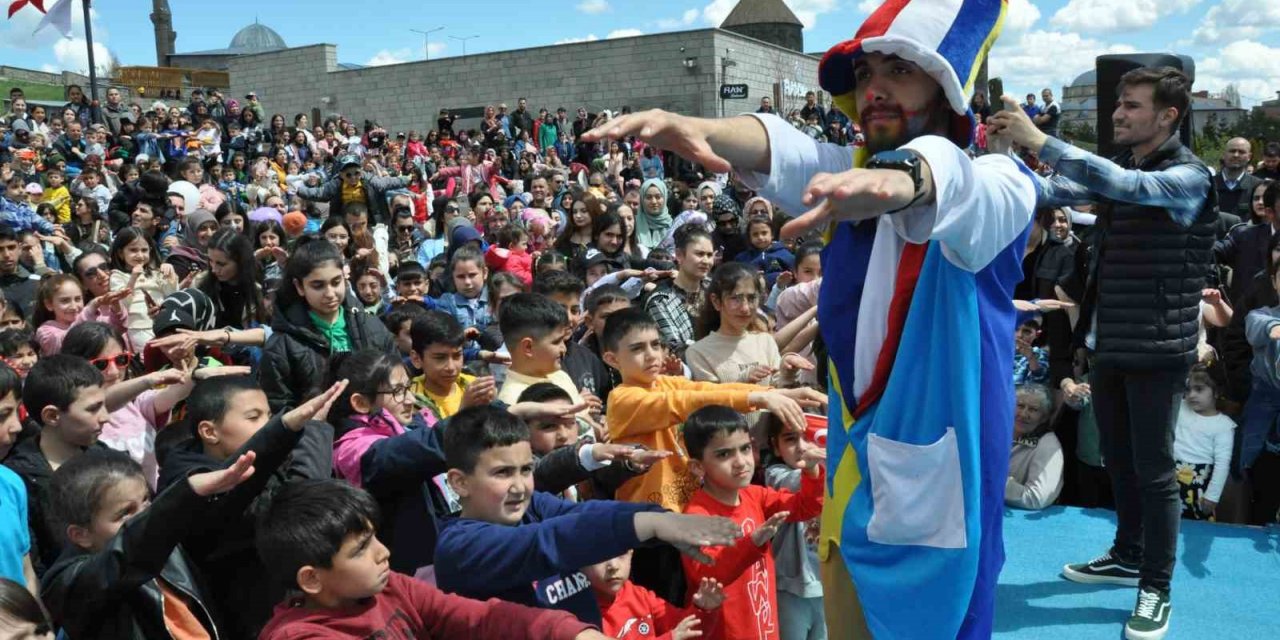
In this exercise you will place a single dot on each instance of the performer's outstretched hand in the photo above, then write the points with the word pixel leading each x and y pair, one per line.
pixel 856 194
pixel 683 135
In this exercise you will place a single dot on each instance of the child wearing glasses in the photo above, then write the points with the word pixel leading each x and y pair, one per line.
pixel 383 445
pixel 734 344
pixel 135 407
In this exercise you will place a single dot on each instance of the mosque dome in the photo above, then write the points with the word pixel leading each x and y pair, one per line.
pixel 257 37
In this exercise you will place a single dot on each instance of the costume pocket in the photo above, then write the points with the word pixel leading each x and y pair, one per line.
pixel 916 492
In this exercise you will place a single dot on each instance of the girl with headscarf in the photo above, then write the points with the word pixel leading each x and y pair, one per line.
pixel 707 193
pixel 652 220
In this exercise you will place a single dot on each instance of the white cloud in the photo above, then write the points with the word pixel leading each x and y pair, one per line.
pixel 806 10
pixel 1021 16
pixel 623 33
pixel 68 54
pixel 1235 20
pixel 717 11
pixel 593 6
pixel 590 37
pixel 388 56
pixel 72 54
pixel 867 6
pixel 1037 59
pixel 1113 15
pixel 686 19
pixel 1252 66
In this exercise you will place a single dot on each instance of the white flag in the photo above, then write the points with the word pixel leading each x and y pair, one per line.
pixel 59 17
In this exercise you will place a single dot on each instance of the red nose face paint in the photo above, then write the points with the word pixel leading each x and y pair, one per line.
pixel 869 97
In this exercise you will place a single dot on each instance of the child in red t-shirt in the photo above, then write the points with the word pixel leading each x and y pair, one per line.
pixel 722 456
pixel 632 612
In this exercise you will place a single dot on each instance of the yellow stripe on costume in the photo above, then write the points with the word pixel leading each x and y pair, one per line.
pixel 986 47
pixel 846 480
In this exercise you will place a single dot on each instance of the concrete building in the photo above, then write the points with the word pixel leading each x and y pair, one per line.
pixel 679 71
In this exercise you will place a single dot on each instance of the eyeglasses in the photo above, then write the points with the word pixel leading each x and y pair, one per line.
pixel 94 271
pixel 404 228
pixel 450 209
pixel 121 360
pixel 400 393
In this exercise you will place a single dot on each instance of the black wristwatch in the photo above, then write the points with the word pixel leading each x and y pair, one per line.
pixel 901 160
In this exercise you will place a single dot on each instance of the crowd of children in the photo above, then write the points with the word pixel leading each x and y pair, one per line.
pixel 243 399
pixel 283 382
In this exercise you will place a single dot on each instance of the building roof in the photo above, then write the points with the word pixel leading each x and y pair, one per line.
pixel 760 12
pixel 255 38
pixel 1086 79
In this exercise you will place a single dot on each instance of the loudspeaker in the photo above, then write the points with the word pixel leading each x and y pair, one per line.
pixel 1109 70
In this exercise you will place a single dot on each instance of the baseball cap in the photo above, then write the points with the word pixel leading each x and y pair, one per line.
pixel 348 161
pixel 251 94
pixel 35 189
pixel 596 257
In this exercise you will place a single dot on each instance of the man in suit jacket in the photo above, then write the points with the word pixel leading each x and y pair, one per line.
pixel 1244 250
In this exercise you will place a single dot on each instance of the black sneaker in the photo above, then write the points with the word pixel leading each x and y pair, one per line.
pixel 1106 569
pixel 1150 619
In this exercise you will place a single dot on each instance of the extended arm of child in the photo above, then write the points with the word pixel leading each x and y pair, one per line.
pixel 451 616
pixel 140 549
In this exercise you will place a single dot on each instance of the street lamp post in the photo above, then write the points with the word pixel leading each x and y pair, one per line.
pixel 463 40
pixel 426 41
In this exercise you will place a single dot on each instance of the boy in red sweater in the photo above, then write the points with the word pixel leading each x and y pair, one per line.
pixel 349 591
pixel 632 612
pixel 722 457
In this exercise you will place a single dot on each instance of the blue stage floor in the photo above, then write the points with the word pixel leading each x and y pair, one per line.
pixel 1226 583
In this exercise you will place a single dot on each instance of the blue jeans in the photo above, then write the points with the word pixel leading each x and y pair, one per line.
pixel 800 618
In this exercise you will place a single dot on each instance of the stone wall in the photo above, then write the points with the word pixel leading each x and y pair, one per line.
pixel 642 72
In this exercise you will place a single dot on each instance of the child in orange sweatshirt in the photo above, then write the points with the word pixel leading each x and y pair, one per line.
pixel 647 409
pixel 723 458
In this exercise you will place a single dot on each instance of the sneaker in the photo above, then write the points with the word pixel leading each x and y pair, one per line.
pixel 1150 619
pixel 1106 569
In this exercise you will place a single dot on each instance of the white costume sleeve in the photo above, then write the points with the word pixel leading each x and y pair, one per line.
pixel 979 207
pixel 794 158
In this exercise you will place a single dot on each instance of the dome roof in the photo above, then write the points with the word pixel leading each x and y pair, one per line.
pixel 1086 79
pixel 257 37
pixel 760 12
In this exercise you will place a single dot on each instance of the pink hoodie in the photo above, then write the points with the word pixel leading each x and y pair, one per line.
pixel 350 448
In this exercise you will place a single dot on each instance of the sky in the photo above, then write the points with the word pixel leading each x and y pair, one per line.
pixel 1045 43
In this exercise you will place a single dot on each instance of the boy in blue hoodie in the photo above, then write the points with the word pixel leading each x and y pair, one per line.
pixel 528 547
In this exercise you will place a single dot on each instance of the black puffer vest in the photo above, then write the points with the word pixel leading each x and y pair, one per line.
pixel 1147 277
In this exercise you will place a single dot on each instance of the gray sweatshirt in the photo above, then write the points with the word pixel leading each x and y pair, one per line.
pixel 795 560
pixel 1035 473
pixel 1257 330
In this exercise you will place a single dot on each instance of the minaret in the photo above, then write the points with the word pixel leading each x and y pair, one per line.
pixel 162 18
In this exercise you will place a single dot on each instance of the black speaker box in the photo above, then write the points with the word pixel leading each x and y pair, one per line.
pixel 1109 70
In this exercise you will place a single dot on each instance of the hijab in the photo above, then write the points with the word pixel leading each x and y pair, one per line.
pixel 651 228
pixel 193 223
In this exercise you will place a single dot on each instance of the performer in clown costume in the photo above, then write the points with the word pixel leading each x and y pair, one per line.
pixel 924 249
